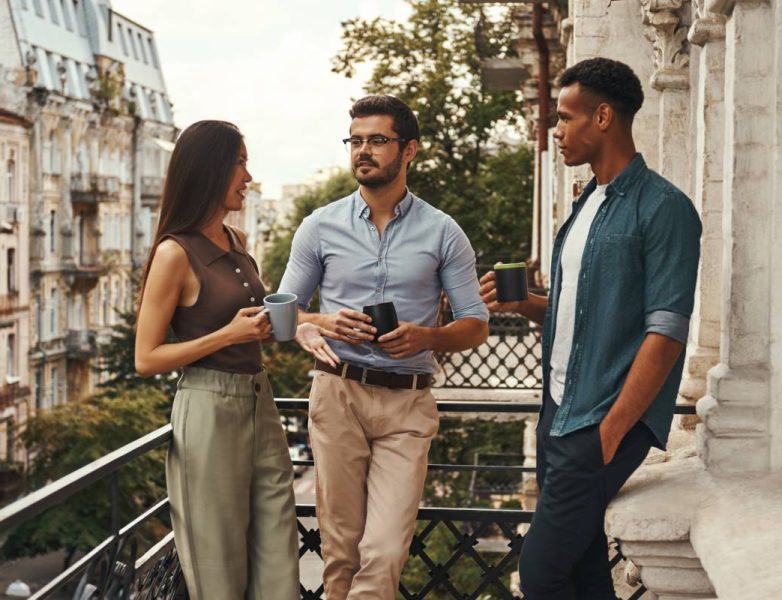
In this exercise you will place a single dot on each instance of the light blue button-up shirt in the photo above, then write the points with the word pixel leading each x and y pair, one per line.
pixel 422 252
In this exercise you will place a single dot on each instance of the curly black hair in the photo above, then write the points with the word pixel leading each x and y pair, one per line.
pixel 608 80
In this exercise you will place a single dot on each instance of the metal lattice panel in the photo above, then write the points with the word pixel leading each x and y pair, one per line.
pixel 510 358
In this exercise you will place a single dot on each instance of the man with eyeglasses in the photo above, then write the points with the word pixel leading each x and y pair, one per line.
pixel 372 416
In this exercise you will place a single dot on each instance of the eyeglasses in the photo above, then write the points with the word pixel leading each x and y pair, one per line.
pixel 375 142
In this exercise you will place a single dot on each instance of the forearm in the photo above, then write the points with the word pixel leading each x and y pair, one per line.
pixel 168 357
pixel 461 334
pixel 534 308
pixel 653 363
pixel 309 317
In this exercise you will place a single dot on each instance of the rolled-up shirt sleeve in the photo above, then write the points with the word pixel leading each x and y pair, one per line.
pixel 671 256
pixel 458 276
pixel 305 268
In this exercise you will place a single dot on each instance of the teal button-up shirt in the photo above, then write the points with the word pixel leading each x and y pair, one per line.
pixel 637 276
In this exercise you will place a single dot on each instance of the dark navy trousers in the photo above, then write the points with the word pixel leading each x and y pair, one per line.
pixel 565 551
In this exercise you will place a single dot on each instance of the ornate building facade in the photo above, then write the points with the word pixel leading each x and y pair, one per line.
pixel 86 83
pixel 702 521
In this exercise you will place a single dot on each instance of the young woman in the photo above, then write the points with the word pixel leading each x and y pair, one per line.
pixel 228 470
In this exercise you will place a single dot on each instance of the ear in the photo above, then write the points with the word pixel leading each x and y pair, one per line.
pixel 604 116
pixel 411 150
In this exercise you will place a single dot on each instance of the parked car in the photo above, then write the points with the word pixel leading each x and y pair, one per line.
pixel 298 452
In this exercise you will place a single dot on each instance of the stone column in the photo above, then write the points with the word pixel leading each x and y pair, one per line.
pixel 707 31
pixel 667 21
pixel 734 437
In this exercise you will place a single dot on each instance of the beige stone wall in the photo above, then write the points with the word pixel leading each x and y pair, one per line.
pixel 775 298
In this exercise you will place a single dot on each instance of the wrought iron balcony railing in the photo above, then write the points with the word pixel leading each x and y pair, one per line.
pixel 484 539
pixel 151 190
pixel 81 343
pixel 91 189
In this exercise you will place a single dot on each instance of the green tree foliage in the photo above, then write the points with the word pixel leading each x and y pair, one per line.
pixel 276 258
pixel 70 436
pixel 464 166
pixel 117 359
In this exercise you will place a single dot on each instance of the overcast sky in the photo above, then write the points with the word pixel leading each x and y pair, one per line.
pixel 264 65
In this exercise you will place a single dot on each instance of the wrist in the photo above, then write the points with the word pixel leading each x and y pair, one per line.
pixel 222 337
pixel 429 335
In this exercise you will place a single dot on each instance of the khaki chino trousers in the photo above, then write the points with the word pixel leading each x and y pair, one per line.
pixel 370 445
pixel 229 478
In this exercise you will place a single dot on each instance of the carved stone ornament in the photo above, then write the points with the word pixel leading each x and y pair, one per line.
pixel 668 33
pixel 707 26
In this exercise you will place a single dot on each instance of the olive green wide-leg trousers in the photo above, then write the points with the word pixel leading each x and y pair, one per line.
pixel 230 483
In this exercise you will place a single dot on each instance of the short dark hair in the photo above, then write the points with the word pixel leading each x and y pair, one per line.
pixel 610 81
pixel 405 122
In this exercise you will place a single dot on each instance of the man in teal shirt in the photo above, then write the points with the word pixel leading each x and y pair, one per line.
pixel 615 324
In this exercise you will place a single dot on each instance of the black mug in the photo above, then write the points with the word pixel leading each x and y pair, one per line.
pixel 383 317
pixel 511 281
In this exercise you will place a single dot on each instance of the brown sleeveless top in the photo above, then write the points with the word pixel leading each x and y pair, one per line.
pixel 229 281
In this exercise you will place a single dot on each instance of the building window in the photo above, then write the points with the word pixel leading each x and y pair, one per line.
pixel 38 8
pixel 106 301
pixel 53 12
pixel 55 386
pixel 132 44
pixel 141 49
pixel 80 24
pixel 122 39
pixel 152 53
pixel 52 230
pixel 53 310
pixel 24 4
pixel 10 355
pixel 11 180
pixel 54 149
pixel 11 273
pixel 66 15
pixel 39 388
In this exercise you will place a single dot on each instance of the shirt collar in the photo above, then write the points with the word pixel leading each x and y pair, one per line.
pixel 622 182
pixel 400 210
pixel 207 251
pixel 625 180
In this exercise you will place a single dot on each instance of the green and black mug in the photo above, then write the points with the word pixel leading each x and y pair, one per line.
pixel 511 280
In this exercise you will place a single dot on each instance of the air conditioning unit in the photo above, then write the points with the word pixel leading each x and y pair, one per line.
pixel 12 213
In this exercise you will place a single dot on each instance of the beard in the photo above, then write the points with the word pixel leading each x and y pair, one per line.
pixel 383 177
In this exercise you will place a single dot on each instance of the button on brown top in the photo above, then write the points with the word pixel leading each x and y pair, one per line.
pixel 226 277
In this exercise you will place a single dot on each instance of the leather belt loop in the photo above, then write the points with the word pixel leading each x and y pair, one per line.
pixel 363 376
pixel 344 373
pixel 415 381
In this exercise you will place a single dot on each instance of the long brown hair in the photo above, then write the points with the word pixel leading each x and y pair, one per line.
pixel 197 181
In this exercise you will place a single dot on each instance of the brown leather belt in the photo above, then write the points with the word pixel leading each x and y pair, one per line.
pixel 381 378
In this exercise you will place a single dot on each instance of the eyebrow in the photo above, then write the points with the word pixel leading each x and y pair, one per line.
pixel 353 135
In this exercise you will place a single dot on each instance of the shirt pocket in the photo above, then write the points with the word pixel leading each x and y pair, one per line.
pixel 620 254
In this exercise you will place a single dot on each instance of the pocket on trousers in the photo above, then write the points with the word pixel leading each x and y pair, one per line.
pixel 598 444
pixel 315 393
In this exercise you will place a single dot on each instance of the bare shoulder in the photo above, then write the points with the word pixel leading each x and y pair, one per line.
pixel 170 256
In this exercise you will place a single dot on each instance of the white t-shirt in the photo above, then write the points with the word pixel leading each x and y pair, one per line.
pixel 570 265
